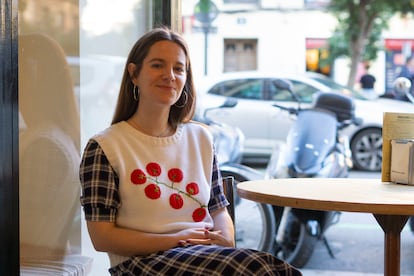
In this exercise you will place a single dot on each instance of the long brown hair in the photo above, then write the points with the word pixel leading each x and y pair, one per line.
pixel 126 106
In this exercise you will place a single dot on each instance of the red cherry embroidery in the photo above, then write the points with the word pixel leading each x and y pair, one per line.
pixel 175 175
pixel 192 188
pixel 153 169
pixel 199 214
pixel 138 177
pixel 153 191
pixel 176 201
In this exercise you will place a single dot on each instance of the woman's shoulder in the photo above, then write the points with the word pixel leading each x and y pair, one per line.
pixel 197 124
pixel 199 128
pixel 111 130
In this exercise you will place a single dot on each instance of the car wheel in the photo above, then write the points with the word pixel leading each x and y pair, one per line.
pixel 366 149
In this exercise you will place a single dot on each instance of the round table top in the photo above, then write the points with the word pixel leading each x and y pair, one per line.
pixel 333 194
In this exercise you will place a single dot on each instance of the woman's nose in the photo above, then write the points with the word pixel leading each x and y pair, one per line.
pixel 169 74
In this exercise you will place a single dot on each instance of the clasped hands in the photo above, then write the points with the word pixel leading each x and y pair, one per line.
pixel 204 236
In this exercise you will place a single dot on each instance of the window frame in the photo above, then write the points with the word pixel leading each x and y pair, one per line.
pixel 9 140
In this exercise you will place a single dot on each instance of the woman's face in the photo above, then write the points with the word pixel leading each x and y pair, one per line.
pixel 163 74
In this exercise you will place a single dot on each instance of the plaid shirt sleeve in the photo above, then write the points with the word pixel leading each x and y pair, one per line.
pixel 217 198
pixel 99 185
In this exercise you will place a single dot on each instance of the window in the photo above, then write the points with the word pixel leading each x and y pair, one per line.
pixel 242 89
pixel 302 90
pixel 240 55
pixel 71 57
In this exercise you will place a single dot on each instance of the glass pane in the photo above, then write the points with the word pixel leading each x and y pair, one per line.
pixel 243 89
pixel 107 32
pixel 108 29
pixel 71 59
pixel 49 136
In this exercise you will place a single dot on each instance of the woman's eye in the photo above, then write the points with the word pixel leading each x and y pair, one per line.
pixel 156 65
pixel 180 69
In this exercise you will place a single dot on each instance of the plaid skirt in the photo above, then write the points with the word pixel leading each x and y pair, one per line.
pixel 207 260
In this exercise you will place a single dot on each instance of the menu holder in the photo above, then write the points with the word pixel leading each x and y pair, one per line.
pixel 396 126
pixel 402 161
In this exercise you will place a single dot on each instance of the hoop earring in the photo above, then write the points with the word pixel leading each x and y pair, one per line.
pixel 135 92
pixel 185 101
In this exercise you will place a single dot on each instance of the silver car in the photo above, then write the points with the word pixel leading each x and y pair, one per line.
pixel 265 126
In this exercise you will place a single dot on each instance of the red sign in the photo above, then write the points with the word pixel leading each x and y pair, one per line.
pixel 316 43
pixel 398 44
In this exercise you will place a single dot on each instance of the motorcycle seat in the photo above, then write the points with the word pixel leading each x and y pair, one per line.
pixel 341 105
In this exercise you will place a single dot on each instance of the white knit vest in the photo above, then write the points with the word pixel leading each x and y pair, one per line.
pixel 164 183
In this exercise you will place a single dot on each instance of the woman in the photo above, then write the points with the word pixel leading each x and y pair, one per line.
pixel 151 189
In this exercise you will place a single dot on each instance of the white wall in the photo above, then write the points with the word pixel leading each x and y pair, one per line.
pixel 281 38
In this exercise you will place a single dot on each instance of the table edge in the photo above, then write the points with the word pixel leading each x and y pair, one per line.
pixel 323 205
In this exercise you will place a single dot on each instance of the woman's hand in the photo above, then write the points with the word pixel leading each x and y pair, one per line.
pixel 222 234
pixel 213 237
pixel 209 237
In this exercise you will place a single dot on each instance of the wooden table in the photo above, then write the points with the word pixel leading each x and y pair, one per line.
pixel 391 204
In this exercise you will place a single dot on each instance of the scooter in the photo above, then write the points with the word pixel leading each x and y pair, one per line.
pixel 314 148
pixel 254 222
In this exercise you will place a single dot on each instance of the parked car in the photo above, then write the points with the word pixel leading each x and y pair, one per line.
pixel 265 126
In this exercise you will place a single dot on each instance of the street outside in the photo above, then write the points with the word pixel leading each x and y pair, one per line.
pixel 357 242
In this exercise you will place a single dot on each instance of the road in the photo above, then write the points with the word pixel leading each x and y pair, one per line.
pixel 357 241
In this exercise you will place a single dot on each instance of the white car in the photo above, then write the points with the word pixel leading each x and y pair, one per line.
pixel 265 126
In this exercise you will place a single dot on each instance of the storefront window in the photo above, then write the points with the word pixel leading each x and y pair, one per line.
pixel 71 59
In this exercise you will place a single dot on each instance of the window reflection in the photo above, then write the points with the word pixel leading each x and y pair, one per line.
pixel 48 152
pixel 49 136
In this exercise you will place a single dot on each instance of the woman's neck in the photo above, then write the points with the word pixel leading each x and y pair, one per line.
pixel 155 126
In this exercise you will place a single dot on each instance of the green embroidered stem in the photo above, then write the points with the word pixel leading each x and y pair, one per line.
pixel 155 179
